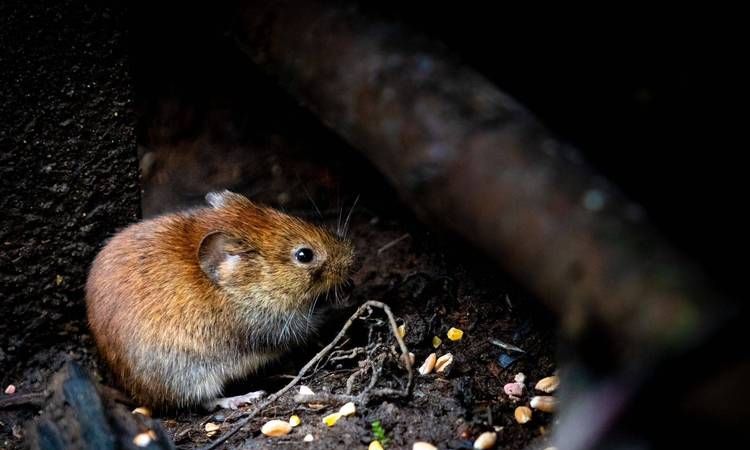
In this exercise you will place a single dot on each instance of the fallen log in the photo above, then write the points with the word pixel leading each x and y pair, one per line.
pixel 470 159
pixel 80 415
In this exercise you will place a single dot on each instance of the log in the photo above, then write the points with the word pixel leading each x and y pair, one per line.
pixel 470 159
pixel 81 415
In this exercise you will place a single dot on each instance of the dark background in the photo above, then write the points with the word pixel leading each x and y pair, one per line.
pixel 647 95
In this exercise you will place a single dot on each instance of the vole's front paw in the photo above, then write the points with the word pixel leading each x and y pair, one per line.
pixel 236 401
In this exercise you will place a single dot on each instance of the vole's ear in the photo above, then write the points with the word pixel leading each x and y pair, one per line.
pixel 225 197
pixel 219 253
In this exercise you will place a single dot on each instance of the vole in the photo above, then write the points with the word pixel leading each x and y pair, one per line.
pixel 185 302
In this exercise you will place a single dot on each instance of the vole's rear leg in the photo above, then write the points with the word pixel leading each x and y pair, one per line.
pixel 234 402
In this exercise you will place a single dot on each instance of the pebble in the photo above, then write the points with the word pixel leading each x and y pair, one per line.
pixel 10 390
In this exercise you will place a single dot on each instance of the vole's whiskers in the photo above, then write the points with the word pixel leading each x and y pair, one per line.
pixel 349 216
pixel 309 197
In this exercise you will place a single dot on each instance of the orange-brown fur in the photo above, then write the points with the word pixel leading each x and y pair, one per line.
pixel 173 331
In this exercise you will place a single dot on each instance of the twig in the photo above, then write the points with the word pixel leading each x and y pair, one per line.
pixel 392 243
pixel 34 399
pixel 320 355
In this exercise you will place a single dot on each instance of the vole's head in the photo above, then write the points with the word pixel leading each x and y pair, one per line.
pixel 267 260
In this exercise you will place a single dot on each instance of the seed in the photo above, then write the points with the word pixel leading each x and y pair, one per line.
pixel 331 419
pixel 402 330
pixel 514 390
pixel 404 359
pixel 374 445
pixel 454 334
pixel 276 428
pixel 544 403
pixel 142 439
pixel 436 341
pixel 520 378
pixel 348 409
pixel 308 438
pixel 548 384
pixel 423 446
pixel 523 414
pixel 10 390
pixel 443 362
pixel 142 410
pixel 428 365
pixel 294 420
pixel 304 390
pixel 211 428
pixel 486 440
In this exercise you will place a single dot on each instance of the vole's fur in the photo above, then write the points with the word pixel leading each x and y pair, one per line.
pixel 185 302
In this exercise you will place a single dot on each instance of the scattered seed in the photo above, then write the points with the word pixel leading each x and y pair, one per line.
pixel 436 341
pixel 423 446
pixel 443 362
pixel 308 438
pixel 402 330
pixel 548 384
pixel 514 390
pixel 59 280
pixel 211 428
pixel 142 410
pixel 411 359
pixel 375 445
pixel 10 390
pixel 276 428
pixel 348 409
pixel 428 365
pixel 304 390
pixel 523 414
pixel 142 439
pixel 454 334
pixel 544 403
pixel 331 419
pixel 295 420
pixel 486 440
pixel 520 378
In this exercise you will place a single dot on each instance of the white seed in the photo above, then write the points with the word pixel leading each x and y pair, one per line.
pixel 520 378
pixel 522 414
pixel 142 410
pixel 410 359
pixel 428 365
pixel 10 390
pixel 423 446
pixel 276 428
pixel 486 440
pixel 142 439
pixel 210 426
pixel 304 390
pixel 348 409
pixel 544 403
pixel 443 362
pixel 308 438
pixel 548 384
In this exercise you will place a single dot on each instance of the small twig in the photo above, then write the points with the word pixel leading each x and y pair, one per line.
pixel 320 355
pixel 34 399
pixel 392 243
pixel 506 346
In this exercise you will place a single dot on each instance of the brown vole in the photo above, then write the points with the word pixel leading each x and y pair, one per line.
pixel 182 303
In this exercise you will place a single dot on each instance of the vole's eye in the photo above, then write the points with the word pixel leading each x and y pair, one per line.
pixel 304 255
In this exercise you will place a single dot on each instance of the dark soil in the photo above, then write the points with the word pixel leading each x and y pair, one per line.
pixel 68 177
